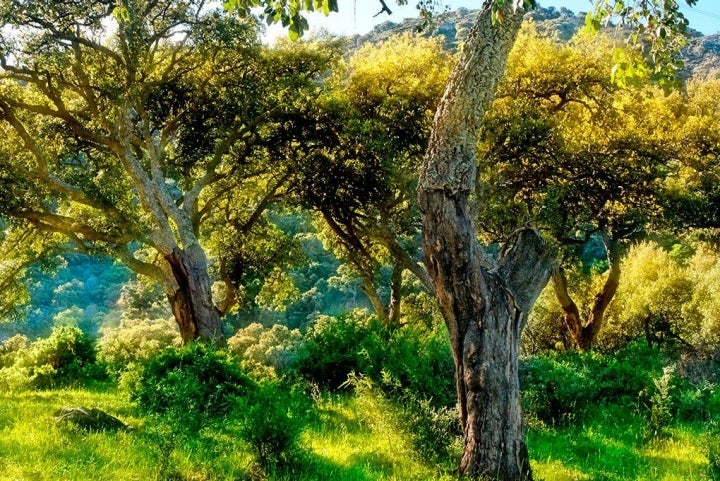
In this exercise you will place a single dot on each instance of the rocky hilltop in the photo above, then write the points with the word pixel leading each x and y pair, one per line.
pixel 701 56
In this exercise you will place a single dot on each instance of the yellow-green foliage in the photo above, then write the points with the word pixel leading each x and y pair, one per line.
pixel 136 341
pixel 653 288
pixel 277 291
pixel 662 296
pixel 66 356
pixel 703 309
pixel 10 349
pixel 405 67
pixel 659 292
pixel 266 352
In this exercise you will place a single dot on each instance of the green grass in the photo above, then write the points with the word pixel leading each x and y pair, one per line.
pixel 33 447
pixel 348 437
pixel 612 446
pixel 361 438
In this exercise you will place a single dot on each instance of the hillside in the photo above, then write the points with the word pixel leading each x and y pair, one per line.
pixel 701 56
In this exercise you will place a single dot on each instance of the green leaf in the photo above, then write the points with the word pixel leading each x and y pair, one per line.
pixel 592 23
pixel 294 31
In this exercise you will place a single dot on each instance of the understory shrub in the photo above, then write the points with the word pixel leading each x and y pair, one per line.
pixel 185 390
pixel 558 388
pixel 336 346
pixel 416 361
pixel 66 356
pixel 136 341
pixel 660 405
pixel 435 431
pixel 267 352
pixel 10 349
pixel 270 419
pixel 412 359
pixel 189 386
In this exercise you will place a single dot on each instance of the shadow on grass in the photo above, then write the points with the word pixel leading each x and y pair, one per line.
pixel 609 447
pixel 315 467
pixel 333 420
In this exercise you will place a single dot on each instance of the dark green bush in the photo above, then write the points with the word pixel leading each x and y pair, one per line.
pixel 553 388
pixel 190 386
pixel 184 390
pixel 69 351
pixel 559 388
pixel 271 419
pixel 408 360
pixel 336 346
pixel 432 428
pixel 416 361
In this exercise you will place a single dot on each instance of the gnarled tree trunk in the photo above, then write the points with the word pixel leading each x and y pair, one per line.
pixel 485 302
pixel 584 332
pixel 191 302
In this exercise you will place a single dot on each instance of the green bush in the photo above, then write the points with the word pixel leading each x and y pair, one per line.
pixel 190 386
pixel 267 352
pixel 660 412
pixel 136 341
pixel 11 347
pixel 66 356
pixel 559 388
pixel 435 431
pixel 336 346
pixel 270 419
pixel 408 360
pixel 650 301
pixel 418 362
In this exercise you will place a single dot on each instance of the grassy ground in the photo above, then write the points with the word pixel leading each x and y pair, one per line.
pixel 353 438
pixel 347 438
pixel 612 446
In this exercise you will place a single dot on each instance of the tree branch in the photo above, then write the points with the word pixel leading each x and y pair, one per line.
pixel 384 9
pixel 525 266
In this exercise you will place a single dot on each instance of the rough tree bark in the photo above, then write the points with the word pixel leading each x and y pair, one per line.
pixel 192 303
pixel 584 332
pixel 485 302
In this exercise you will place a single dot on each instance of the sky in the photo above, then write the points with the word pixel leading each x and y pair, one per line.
pixel 357 16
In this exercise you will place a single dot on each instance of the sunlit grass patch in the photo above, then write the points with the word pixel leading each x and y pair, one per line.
pixel 362 438
pixel 554 470
pixel 680 457
pixel 350 437
pixel 612 446
pixel 34 447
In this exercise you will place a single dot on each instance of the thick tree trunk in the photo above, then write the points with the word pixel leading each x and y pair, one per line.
pixel 191 303
pixel 485 304
pixel 584 332
pixel 485 311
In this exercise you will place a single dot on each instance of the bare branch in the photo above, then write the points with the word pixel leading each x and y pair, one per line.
pixel 384 9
